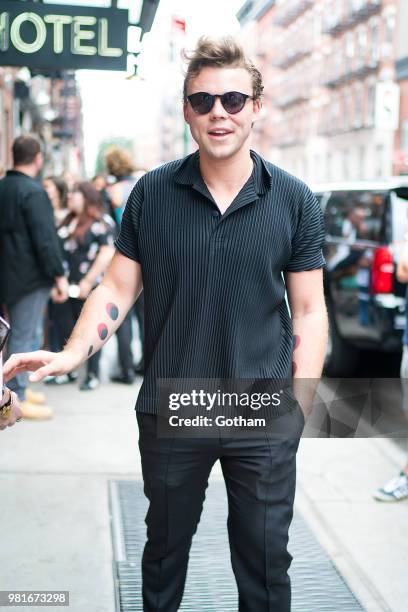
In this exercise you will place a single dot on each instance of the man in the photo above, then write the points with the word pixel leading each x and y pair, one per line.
pixel 30 260
pixel 211 236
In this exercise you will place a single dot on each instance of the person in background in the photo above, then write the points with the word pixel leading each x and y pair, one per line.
pixel 396 489
pixel 87 236
pixel 57 190
pixel 120 165
pixel 30 261
pixel 100 182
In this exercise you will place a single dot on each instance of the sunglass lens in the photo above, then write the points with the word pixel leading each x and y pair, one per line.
pixel 233 101
pixel 201 102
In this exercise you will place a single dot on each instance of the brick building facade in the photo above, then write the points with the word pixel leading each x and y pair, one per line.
pixel 332 96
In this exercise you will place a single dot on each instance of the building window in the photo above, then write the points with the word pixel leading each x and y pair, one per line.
pixel 404 138
pixel 389 29
pixel 349 51
pixel 345 159
pixel 379 154
pixel 335 109
pixel 361 45
pixel 358 105
pixel 347 109
pixel 370 116
pixel 374 47
pixel 361 162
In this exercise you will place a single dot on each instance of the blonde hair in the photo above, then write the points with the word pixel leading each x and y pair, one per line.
pixel 119 162
pixel 220 53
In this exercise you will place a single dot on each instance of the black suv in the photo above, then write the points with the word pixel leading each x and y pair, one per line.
pixel 365 224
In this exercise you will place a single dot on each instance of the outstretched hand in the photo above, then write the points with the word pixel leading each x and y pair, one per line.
pixel 41 364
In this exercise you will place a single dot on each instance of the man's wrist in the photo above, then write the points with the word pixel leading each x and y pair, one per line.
pixel 76 346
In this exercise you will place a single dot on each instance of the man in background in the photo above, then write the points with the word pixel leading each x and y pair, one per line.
pixel 30 260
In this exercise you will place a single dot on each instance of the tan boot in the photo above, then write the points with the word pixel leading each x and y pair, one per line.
pixel 34 397
pixel 35 411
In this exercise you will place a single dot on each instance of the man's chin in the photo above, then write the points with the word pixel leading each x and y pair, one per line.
pixel 221 152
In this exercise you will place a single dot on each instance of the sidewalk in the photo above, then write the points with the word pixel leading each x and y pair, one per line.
pixel 54 502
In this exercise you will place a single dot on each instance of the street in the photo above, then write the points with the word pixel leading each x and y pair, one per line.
pixel 55 508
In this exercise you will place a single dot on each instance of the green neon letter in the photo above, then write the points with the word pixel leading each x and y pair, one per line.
pixel 78 35
pixel 58 21
pixel 41 33
pixel 4 31
pixel 104 49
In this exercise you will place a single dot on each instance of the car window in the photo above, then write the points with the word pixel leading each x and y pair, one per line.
pixel 355 215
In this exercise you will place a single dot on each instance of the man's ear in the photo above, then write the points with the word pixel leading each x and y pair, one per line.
pixel 185 112
pixel 257 109
pixel 257 106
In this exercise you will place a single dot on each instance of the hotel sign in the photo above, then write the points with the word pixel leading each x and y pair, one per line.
pixel 54 36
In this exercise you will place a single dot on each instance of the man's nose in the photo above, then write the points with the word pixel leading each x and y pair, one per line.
pixel 218 110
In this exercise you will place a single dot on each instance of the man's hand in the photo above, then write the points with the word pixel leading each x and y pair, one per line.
pixel 42 364
pixel 15 411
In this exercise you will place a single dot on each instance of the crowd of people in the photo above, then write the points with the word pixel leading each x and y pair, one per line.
pixel 61 243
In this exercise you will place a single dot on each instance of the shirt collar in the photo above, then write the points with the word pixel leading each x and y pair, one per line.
pixel 188 172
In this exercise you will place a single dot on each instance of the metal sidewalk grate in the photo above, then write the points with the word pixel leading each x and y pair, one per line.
pixel 317 586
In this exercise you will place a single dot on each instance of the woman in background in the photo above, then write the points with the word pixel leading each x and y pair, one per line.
pixel 87 236
pixel 57 191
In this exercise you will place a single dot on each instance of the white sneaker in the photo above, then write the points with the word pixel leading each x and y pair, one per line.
pixel 395 490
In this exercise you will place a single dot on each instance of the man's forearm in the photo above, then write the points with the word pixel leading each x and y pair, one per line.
pixel 103 312
pixel 310 344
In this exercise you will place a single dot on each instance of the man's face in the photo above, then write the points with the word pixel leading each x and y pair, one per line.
pixel 221 135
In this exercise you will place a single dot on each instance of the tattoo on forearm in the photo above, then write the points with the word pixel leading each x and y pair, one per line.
pixel 112 310
pixel 90 350
pixel 102 331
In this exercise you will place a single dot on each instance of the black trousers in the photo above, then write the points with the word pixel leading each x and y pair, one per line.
pixel 260 477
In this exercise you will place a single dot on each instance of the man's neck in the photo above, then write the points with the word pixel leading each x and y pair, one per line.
pixel 29 170
pixel 226 174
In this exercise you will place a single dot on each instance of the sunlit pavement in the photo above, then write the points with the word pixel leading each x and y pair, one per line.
pixel 55 516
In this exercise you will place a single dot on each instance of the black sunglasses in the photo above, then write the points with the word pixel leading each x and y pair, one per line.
pixel 233 101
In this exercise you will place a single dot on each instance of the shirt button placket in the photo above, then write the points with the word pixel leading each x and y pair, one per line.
pixel 216 241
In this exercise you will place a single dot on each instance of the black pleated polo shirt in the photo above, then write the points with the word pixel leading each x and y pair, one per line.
pixel 213 287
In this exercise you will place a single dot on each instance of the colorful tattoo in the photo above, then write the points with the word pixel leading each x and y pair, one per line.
pixel 102 331
pixel 90 350
pixel 296 342
pixel 112 310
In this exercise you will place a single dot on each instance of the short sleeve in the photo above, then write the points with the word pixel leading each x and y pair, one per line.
pixel 128 240
pixel 308 240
